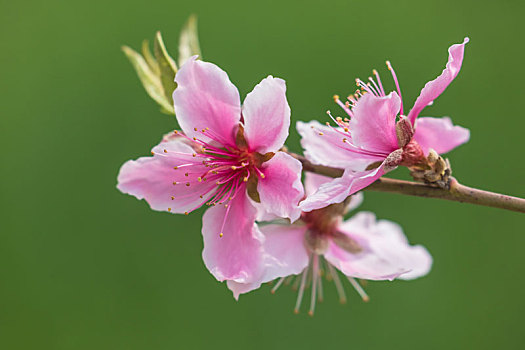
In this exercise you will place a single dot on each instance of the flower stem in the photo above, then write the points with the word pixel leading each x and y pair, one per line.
pixel 456 191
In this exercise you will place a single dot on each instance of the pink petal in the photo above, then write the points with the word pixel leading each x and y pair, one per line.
pixel 284 255
pixel 386 252
pixel 436 87
pixel 313 181
pixel 373 125
pixel 151 178
pixel 266 116
pixel 338 189
pixel 439 134
pixel 281 189
pixel 206 98
pixel 330 150
pixel 238 254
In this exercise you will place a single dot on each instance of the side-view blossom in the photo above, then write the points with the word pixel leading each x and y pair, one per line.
pixel 377 136
pixel 227 157
pixel 320 243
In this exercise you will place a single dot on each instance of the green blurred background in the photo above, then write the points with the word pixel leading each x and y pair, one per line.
pixel 83 266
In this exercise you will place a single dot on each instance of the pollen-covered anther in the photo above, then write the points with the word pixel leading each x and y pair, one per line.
pixel 245 179
pixel 172 197
pixel 169 209
pixel 186 213
pixel 199 179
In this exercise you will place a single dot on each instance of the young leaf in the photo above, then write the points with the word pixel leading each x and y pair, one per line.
pixel 189 41
pixel 149 80
pixel 167 67
pixel 148 56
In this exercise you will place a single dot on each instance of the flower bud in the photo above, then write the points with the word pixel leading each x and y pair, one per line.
pixel 404 131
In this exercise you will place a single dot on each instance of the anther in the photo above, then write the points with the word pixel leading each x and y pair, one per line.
pixel 321 134
pixel 245 179
pixel 195 129
pixel 174 182
pixel 153 153
pixel 186 174
pixel 188 184
pixel 186 213
pixel 199 179
pixel 165 151
pixel 194 139
pixel 234 167
pixel 220 234
pixel 169 209
pixel 194 154
pixel 175 167
pixel 172 198
pixel 336 97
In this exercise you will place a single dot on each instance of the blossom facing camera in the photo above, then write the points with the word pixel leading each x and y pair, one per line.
pixel 226 157
pixel 377 136
pixel 321 243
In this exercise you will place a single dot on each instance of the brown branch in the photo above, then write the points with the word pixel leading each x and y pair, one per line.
pixel 457 192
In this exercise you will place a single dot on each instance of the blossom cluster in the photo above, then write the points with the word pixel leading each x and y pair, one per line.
pixel 262 224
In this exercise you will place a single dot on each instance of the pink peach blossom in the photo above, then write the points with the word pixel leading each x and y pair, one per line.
pixel 360 247
pixel 227 156
pixel 371 143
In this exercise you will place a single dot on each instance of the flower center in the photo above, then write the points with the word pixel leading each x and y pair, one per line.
pixel 230 168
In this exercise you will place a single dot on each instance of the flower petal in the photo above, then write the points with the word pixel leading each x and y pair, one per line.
pixel 152 178
pixel 238 254
pixel 373 125
pixel 329 148
pixel 439 134
pixel 266 115
pixel 281 189
pixel 386 252
pixel 436 87
pixel 338 189
pixel 206 98
pixel 284 255
pixel 313 181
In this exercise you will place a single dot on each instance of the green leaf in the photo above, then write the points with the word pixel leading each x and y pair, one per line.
pixel 189 41
pixel 149 80
pixel 167 66
pixel 152 62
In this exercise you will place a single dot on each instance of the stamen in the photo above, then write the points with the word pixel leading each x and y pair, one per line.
pixel 359 289
pixel 279 283
pixel 301 291
pixel 338 284
pixel 343 106
pixel 391 69
pixel 315 278
pixel 379 82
